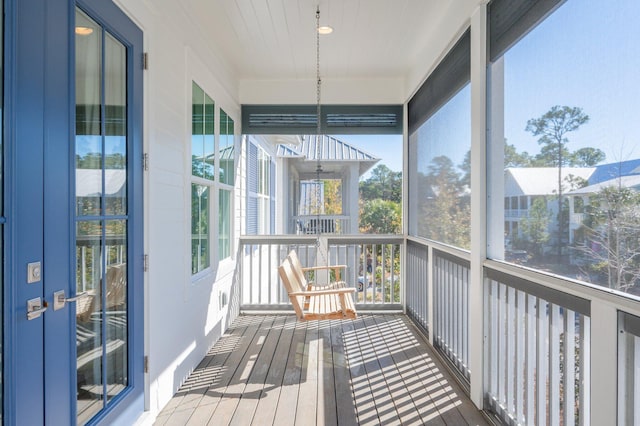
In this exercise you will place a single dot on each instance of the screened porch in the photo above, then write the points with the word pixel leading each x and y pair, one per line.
pixel 421 326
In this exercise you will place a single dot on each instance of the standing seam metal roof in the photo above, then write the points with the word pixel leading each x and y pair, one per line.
pixel 331 149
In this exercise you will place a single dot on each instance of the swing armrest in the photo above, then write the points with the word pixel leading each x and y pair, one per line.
pixel 323 292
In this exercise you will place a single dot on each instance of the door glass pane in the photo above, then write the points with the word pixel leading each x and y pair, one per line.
pixel 89 149
pixel 115 153
pixel 116 306
pixel 101 213
pixel 88 319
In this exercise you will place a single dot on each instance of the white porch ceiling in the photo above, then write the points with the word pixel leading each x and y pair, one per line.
pixel 275 39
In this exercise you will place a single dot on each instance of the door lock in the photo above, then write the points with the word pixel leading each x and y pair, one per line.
pixel 34 272
pixel 35 308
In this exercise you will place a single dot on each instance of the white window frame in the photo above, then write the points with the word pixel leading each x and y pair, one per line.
pixel 217 266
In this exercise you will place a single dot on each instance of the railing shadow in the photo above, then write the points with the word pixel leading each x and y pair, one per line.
pixel 370 370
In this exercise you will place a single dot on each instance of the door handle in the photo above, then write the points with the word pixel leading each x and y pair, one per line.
pixel 59 299
pixel 35 308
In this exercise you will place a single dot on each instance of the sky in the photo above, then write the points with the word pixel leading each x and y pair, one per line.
pixel 583 55
pixel 586 54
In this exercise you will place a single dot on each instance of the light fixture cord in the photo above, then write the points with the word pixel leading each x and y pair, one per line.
pixel 319 127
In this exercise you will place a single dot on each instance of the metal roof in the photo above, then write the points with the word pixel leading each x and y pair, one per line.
pixel 331 149
pixel 630 181
pixel 328 150
pixel 539 180
pixel 605 172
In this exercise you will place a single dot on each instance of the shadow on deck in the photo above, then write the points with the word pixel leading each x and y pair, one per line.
pixel 276 370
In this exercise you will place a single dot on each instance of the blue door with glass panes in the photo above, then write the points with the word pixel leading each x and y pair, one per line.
pixel 73 291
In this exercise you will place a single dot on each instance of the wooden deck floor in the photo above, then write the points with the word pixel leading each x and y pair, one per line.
pixel 274 370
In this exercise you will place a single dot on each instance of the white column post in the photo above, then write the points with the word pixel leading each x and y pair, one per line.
pixel 478 202
pixel 603 380
pixel 430 301
pixel 353 193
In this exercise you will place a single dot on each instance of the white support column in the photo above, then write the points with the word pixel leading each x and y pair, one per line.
pixel 353 195
pixel 405 171
pixel 283 225
pixel 430 301
pixel 604 361
pixel 495 159
pixel 478 202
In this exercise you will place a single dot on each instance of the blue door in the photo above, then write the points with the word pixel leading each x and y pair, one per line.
pixel 73 218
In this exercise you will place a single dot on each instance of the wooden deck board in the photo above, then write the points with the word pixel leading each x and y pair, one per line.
pixel 345 409
pixel 276 370
pixel 235 389
pixel 308 391
pixel 363 398
pixel 326 407
pixel 248 403
pixel 208 372
pixel 227 358
pixel 376 360
pixel 287 403
pixel 268 400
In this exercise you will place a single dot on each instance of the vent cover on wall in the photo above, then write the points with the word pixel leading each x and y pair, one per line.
pixel 336 119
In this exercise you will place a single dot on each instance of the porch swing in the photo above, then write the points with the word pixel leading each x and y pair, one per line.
pixel 311 301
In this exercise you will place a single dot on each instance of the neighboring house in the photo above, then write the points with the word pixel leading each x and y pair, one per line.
pixel 522 186
pixel 303 184
pixel 261 187
pixel 618 175
pixel 526 184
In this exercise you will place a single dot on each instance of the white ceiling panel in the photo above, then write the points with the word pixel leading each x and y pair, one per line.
pixel 275 39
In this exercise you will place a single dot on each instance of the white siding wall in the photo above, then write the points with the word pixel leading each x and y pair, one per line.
pixel 183 318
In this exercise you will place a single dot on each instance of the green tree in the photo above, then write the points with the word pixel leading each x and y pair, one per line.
pixel 512 158
pixel 465 167
pixel 613 231
pixel 575 182
pixel 332 196
pixel 551 128
pixel 383 183
pixel 380 217
pixel 587 157
pixel 447 205
pixel 534 228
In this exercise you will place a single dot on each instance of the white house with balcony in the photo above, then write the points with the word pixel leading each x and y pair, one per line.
pixel 523 185
pixel 310 166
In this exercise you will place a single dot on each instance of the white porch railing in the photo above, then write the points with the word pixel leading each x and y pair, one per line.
pixel 417 288
pixel 437 290
pixel 515 213
pixel 451 309
pixel 537 349
pixel 323 224
pixel 373 268
pixel 554 351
